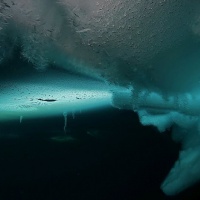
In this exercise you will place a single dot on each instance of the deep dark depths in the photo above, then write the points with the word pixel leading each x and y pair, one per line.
pixel 106 154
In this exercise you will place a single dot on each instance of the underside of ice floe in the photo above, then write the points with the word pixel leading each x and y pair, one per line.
pixel 149 48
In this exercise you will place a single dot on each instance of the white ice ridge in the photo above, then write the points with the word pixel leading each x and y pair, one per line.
pixel 51 93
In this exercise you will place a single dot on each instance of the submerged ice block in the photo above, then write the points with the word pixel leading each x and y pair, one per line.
pixel 182 115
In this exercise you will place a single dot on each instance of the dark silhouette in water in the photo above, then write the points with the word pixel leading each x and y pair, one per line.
pixel 48 100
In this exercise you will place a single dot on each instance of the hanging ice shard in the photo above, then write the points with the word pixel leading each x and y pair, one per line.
pixel 65 122
pixel 149 48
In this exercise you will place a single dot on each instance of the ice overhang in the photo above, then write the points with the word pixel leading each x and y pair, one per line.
pixel 51 93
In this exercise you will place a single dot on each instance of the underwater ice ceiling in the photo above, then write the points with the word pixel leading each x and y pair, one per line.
pixel 150 48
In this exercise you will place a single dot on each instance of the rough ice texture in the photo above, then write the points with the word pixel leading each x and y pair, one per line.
pixel 149 47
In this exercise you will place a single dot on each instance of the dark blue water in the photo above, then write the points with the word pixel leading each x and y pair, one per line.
pixel 106 154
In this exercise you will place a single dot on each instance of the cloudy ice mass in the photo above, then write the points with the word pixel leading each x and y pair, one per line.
pixel 150 49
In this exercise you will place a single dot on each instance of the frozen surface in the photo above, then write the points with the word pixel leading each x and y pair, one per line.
pixel 52 93
pixel 149 48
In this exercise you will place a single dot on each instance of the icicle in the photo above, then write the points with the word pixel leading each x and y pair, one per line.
pixel 73 114
pixel 65 122
pixel 20 119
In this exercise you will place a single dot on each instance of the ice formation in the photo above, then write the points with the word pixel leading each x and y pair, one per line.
pixel 149 48
pixel 20 119
pixel 50 93
pixel 65 122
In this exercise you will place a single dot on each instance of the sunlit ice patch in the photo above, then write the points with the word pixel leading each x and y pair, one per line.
pixel 50 93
